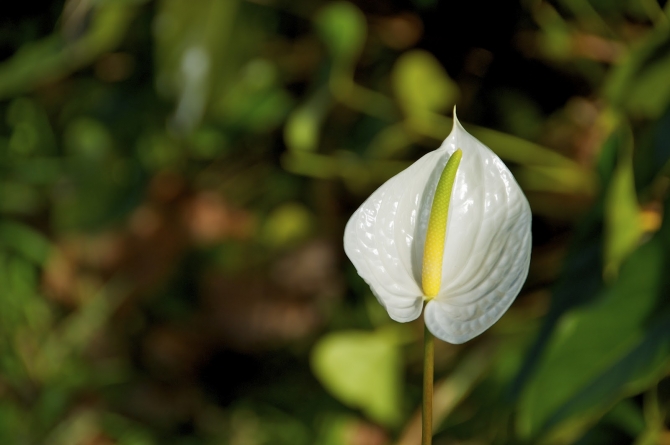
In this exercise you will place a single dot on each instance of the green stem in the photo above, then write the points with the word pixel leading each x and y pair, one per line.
pixel 427 408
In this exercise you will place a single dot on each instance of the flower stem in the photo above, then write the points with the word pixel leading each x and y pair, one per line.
pixel 427 408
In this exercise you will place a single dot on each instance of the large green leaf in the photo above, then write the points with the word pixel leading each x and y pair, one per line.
pixel 638 369
pixel 593 340
pixel 581 281
pixel 623 226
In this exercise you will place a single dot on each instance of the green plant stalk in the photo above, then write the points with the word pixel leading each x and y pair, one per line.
pixel 428 370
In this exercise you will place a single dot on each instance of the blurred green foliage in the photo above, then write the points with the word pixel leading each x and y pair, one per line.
pixel 175 178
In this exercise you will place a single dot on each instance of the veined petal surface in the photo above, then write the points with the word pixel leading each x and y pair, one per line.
pixel 379 238
pixel 487 243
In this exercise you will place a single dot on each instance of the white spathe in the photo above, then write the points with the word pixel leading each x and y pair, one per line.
pixel 487 245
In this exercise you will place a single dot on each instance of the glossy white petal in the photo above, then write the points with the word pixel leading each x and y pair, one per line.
pixel 487 244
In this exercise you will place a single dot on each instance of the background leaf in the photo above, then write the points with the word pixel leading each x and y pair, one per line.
pixel 588 342
pixel 175 179
pixel 363 370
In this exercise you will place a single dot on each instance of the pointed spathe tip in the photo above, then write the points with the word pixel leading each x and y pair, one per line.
pixel 457 123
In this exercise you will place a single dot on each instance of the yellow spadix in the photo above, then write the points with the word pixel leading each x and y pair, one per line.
pixel 433 253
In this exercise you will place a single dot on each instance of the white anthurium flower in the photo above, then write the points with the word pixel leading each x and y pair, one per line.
pixel 452 229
